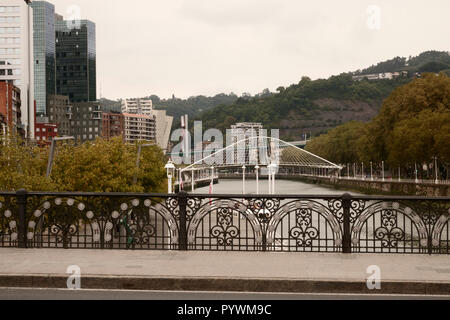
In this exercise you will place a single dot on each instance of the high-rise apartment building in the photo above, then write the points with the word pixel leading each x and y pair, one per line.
pixel 138 106
pixel 16 55
pixel 44 54
pixel 76 60
pixel 163 122
pixel 139 127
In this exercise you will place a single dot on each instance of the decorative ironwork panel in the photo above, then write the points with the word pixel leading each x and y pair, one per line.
pixel 390 227
pixel 225 224
pixel 103 223
pixel 304 225
pixel 249 223
pixel 8 221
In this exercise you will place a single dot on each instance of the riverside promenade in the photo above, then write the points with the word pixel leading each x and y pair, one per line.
pixel 226 271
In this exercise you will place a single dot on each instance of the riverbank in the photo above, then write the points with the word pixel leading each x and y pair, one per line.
pixel 377 187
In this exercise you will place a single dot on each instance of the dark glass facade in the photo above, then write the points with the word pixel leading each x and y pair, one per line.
pixel 44 53
pixel 76 60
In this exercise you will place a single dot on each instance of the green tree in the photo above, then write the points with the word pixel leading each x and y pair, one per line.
pixel 23 166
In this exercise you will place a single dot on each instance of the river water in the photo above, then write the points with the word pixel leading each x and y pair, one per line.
pixel 282 187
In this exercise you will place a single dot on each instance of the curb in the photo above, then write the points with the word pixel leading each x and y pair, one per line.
pixel 225 284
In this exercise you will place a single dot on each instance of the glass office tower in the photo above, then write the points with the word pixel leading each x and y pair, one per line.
pixel 44 54
pixel 76 60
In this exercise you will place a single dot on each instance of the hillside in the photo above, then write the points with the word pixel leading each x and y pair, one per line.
pixel 192 106
pixel 314 107
pixel 429 61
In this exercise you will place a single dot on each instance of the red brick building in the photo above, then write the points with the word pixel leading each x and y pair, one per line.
pixel 45 132
pixel 113 125
pixel 10 103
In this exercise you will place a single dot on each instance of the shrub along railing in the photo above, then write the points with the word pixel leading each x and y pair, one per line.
pixel 304 223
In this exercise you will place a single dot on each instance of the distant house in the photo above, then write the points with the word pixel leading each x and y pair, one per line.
pixel 378 76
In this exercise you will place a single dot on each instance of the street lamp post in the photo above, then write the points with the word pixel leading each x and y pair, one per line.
pixel 371 171
pixel 415 170
pixel 436 170
pixel 243 179
pixel 170 167
pixel 212 180
pixel 138 160
pixel 269 168
pixel 362 171
pixel 52 153
pixel 193 180
pixel 382 170
pixel 272 171
pixel 257 179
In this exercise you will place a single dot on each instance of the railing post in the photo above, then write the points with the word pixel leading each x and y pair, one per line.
pixel 347 237
pixel 22 196
pixel 182 202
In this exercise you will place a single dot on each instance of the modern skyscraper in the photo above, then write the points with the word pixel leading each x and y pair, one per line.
pixel 16 55
pixel 76 60
pixel 44 54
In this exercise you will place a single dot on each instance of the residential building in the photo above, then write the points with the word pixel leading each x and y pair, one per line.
pixel 45 131
pixel 44 50
pixel 138 106
pixel 76 60
pixel 113 125
pixel 163 128
pixel 59 111
pixel 10 107
pixel 380 76
pixel 139 127
pixel 16 55
pixel 86 121
pixel 163 122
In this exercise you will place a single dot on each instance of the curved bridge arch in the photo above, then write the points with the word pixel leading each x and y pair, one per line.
pixel 262 151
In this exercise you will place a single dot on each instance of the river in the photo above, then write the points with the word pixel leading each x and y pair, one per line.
pixel 282 187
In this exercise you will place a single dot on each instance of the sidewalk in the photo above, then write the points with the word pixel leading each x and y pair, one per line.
pixel 225 271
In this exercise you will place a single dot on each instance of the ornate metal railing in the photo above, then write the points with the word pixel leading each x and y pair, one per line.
pixel 226 223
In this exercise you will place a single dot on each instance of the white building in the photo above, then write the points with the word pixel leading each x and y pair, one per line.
pixel 139 127
pixel 16 55
pixel 163 122
pixel 163 128
pixel 378 76
pixel 138 106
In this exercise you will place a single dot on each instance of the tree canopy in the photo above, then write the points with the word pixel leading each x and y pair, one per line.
pixel 412 126
pixel 97 166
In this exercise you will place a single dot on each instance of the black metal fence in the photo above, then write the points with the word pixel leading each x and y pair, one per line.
pixel 183 221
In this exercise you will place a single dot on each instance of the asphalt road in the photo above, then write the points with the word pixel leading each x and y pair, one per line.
pixel 59 294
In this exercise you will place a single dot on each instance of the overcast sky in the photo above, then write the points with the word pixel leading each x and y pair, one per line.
pixel 192 47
